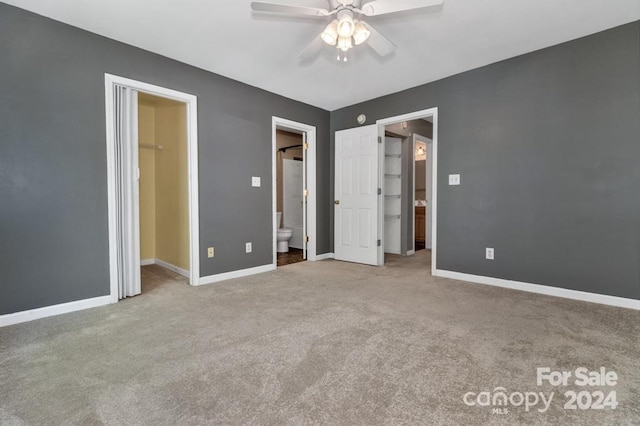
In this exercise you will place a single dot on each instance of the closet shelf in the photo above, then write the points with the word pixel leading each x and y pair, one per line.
pixel 394 175
pixel 392 216
pixel 393 155
pixel 150 146
pixel 393 196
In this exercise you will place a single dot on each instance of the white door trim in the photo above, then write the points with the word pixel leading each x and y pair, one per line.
pixel 431 112
pixel 191 102
pixel 283 123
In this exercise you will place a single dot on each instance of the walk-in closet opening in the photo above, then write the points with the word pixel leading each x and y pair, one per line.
pixel 164 189
pixel 152 175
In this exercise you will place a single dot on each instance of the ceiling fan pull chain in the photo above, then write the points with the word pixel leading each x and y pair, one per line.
pixel 342 56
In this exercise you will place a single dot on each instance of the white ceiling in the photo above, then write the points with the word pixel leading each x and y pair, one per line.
pixel 226 37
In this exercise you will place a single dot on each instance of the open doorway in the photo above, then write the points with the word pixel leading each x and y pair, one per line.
pixel 163 190
pixel 408 176
pixel 293 192
pixel 152 182
pixel 374 203
pixel 406 209
pixel 290 210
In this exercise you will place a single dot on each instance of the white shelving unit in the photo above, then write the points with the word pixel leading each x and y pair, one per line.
pixel 392 194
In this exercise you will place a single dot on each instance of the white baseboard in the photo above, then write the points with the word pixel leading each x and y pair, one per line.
pixel 325 256
pixel 49 311
pixel 146 262
pixel 583 296
pixel 171 267
pixel 235 274
pixel 411 253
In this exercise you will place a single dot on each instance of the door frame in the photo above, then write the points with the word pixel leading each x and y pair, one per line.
pixel 310 167
pixel 191 102
pixel 431 112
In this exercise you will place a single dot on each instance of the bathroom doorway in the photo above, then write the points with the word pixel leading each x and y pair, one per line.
pixel 293 192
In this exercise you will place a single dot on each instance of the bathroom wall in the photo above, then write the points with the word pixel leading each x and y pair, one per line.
pixel 147 160
pixel 284 139
pixel 172 186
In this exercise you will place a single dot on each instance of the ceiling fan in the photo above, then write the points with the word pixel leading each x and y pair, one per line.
pixel 347 27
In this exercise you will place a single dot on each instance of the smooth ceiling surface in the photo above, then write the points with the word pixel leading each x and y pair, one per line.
pixel 227 38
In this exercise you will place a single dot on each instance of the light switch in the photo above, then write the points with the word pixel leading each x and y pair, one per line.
pixel 255 181
pixel 454 179
pixel 489 253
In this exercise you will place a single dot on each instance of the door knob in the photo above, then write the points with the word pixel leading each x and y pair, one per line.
pixel 336 202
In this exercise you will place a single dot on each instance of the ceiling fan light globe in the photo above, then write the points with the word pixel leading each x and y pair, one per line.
pixel 344 43
pixel 329 39
pixel 330 34
pixel 346 26
pixel 361 33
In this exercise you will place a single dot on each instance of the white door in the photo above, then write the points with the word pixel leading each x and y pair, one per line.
pixel 127 190
pixel 356 195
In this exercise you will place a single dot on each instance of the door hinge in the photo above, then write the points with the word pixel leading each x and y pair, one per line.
pixel 305 145
pixel 379 191
pixel 305 193
pixel 379 242
pixel 379 139
pixel 306 238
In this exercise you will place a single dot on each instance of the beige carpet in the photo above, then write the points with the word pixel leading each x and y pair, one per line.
pixel 314 343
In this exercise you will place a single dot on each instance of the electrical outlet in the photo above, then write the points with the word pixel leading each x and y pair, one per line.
pixel 248 248
pixel 210 252
pixel 454 179
pixel 489 253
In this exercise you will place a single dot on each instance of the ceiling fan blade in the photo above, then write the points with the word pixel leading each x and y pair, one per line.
pixel 312 48
pixel 381 7
pixel 260 6
pixel 382 45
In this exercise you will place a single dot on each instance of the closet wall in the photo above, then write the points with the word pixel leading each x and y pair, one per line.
pixel 147 162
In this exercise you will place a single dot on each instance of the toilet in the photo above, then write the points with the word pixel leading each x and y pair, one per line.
pixel 283 236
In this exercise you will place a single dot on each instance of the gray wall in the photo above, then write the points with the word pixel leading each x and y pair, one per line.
pixel 53 188
pixel 548 148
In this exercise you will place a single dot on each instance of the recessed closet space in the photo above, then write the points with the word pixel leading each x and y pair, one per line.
pixel 163 188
